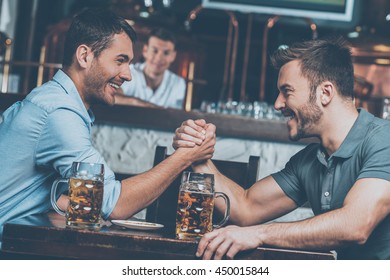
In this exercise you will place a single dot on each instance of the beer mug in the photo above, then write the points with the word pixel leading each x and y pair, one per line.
pixel 196 204
pixel 86 185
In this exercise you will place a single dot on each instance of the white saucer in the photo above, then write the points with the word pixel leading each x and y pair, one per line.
pixel 137 224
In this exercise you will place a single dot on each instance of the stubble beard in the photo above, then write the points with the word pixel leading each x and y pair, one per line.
pixel 95 84
pixel 307 117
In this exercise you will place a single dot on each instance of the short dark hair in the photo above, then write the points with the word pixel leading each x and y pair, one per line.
pixel 163 34
pixel 94 27
pixel 321 60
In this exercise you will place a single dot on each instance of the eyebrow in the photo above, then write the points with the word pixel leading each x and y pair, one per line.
pixel 284 87
pixel 164 50
pixel 125 56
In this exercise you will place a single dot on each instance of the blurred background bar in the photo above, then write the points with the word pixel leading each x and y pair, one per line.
pixel 228 41
pixel 223 48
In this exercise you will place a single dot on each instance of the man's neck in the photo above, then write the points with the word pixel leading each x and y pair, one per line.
pixel 77 80
pixel 153 80
pixel 339 124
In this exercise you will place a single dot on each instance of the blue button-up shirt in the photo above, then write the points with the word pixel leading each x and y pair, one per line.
pixel 40 138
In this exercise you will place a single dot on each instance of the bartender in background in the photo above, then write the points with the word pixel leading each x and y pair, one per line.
pixel 153 84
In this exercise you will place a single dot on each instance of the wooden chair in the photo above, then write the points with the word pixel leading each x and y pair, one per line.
pixel 163 210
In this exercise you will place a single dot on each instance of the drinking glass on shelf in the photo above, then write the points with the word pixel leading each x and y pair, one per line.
pixel 259 109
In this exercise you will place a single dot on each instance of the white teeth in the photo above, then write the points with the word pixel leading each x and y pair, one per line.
pixel 113 85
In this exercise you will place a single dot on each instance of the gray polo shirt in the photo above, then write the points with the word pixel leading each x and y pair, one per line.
pixel 365 153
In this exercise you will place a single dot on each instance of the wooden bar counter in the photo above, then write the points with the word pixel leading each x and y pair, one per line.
pixel 169 119
pixel 45 236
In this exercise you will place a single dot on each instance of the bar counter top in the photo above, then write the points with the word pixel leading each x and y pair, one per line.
pixel 169 119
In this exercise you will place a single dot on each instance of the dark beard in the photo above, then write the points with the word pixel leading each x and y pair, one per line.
pixel 308 115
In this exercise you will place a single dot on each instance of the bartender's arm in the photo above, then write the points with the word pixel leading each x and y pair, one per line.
pixel 121 99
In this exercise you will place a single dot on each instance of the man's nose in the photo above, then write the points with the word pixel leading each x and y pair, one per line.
pixel 126 73
pixel 280 102
pixel 160 55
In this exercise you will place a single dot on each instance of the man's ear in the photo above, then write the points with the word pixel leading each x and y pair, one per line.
pixel 174 55
pixel 144 50
pixel 327 92
pixel 84 56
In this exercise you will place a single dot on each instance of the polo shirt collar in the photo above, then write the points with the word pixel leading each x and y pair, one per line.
pixel 355 135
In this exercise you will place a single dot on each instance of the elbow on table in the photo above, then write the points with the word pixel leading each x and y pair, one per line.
pixel 119 214
pixel 361 234
pixel 360 238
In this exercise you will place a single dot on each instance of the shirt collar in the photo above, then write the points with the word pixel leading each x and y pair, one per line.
pixel 70 88
pixel 141 67
pixel 160 87
pixel 355 135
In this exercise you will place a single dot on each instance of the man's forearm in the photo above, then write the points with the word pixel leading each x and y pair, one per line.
pixel 326 231
pixel 141 190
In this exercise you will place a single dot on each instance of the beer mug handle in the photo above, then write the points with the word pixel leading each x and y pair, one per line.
pixel 53 197
pixel 227 210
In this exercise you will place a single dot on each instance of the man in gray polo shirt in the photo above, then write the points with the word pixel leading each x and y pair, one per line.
pixel 345 177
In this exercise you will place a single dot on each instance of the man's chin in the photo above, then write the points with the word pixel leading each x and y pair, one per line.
pixel 109 98
pixel 110 101
pixel 104 101
pixel 294 137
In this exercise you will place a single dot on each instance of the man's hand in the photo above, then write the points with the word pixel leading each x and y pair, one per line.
pixel 191 133
pixel 197 153
pixel 228 241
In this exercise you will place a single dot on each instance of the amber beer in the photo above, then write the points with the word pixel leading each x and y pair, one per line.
pixel 194 214
pixel 85 192
pixel 85 202
pixel 195 205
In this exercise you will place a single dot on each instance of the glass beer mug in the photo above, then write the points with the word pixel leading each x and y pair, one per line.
pixel 86 184
pixel 196 204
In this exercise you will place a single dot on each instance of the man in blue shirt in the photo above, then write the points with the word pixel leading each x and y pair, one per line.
pixel 345 177
pixel 41 136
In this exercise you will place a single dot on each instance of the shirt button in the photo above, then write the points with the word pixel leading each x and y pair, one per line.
pixel 326 194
